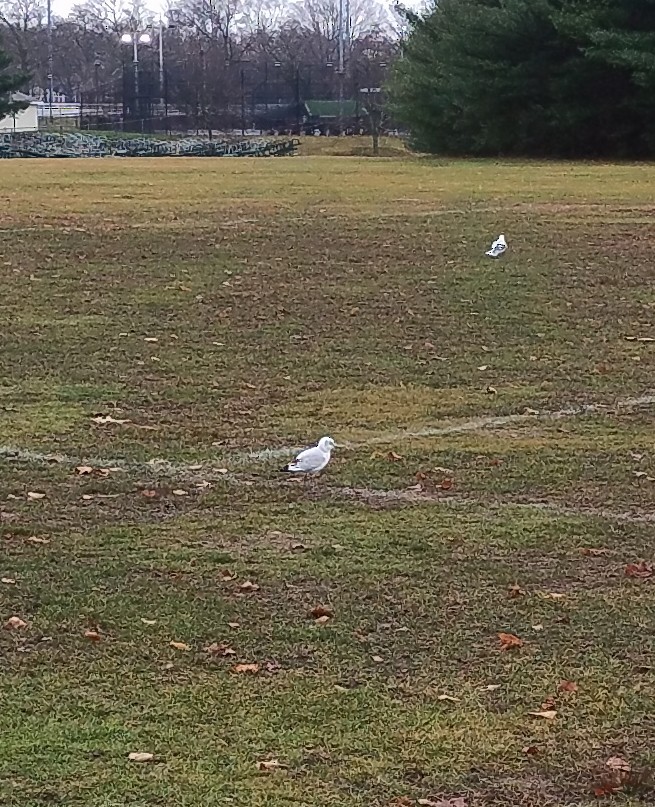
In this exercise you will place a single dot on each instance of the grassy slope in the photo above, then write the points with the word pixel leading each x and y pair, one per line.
pixel 291 298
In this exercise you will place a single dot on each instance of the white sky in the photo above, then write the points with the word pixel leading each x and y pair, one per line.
pixel 64 6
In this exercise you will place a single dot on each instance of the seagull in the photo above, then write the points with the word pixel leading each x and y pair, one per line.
pixel 498 247
pixel 312 460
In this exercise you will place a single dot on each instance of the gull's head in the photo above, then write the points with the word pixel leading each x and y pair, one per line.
pixel 501 239
pixel 326 444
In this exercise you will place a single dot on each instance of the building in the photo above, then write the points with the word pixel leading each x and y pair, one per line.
pixel 25 120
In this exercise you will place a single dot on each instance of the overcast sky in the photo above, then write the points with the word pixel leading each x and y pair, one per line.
pixel 64 6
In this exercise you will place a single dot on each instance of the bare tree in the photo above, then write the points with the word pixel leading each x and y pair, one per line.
pixel 112 16
pixel 23 14
pixel 263 16
pixel 216 21
pixel 322 17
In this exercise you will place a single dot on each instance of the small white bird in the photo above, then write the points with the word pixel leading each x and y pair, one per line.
pixel 312 460
pixel 498 247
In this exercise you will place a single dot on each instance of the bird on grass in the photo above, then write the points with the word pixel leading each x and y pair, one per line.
pixel 498 247
pixel 312 460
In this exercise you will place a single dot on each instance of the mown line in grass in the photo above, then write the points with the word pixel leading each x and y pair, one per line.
pixel 476 424
pixel 160 464
pixel 411 496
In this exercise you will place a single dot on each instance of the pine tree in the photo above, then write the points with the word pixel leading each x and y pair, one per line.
pixel 617 38
pixel 9 83
pixel 530 77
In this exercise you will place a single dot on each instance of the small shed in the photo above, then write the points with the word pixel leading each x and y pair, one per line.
pixel 328 115
pixel 25 120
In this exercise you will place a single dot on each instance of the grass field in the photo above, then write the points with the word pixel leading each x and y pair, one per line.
pixel 496 476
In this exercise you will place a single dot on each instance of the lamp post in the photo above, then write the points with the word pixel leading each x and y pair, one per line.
pixel 135 39
pixel 343 45
pixel 164 25
pixel 51 88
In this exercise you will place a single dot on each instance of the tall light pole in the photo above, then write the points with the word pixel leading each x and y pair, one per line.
pixel 50 61
pixel 135 39
pixel 164 25
pixel 343 31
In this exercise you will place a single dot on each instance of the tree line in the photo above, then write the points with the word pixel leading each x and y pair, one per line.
pixel 218 55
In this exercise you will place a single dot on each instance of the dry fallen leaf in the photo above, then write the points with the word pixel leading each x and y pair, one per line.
pixel 393 457
pixel 547 714
pixel 140 756
pixel 233 624
pixel 151 339
pixel 92 635
pixel 378 659
pixel 148 621
pixel 248 586
pixel 34 539
pixel 618 764
pixel 84 470
pixel 515 591
pixel 448 698
pixel 15 623
pixel 246 668
pixel 595 553
pixel 322 620
pixel 268 765
pixel 640 570
pixel 492 687
pixel 567 686
pixel 530 750
pixel 553 595
pixel 180 646
pixel 460 801
pixel 149 494
pixel 180 492
pixel 104 419
pixel 508 641
pixel 8 581
pixel 33 496
pixel 220 649
pixel 321 611
pixel 606 789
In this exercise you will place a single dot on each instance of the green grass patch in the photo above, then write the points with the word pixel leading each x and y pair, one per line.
pixel 216 309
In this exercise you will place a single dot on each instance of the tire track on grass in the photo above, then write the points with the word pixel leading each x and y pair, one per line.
pixel 161 466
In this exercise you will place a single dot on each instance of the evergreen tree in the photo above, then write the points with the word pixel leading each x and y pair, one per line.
pixel 9 83
pixel 530 77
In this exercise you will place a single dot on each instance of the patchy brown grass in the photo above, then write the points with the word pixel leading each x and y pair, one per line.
pixel 222 308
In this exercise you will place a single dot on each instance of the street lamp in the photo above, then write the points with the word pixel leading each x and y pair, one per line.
pixel 135 39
